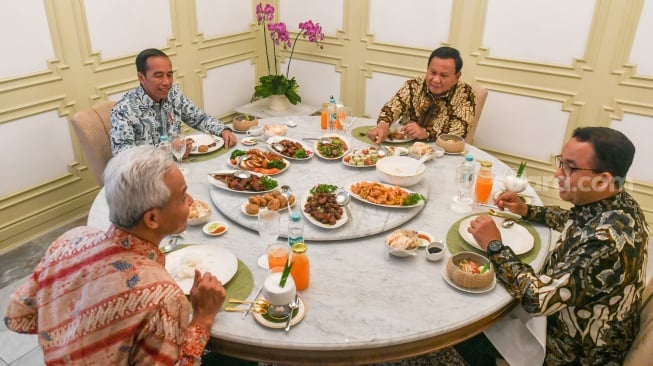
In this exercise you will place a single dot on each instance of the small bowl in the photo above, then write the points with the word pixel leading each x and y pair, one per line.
pixel 243 122
pixel 419 149
pixel 215 228
pixel 439 151
pixel 199 213
pixel 435 251
pixel 409 238
pixel 466 279
pixel 400 170
pixel 451 143
pixel 275 130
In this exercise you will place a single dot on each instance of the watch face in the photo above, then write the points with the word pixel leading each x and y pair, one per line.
pixel 495 245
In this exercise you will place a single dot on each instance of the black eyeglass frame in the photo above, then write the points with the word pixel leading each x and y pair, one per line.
pixel 558 163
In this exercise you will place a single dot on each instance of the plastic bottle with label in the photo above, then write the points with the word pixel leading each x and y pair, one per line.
pixel 462 201
pixel 295 229
pixel 300 271
pixel 332 115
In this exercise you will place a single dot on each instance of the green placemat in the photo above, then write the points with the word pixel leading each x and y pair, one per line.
pixel 456 243
pixel 360 133
pixel 240 285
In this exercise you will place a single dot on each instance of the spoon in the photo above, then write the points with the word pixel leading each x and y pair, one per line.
pixel 274 145
pixel 286 192
pixel 290 123
pixel 242 174
pixel 322 140
pixel 172 244
pixel 342 199
pixel 507 223
pixel 421 161
pixel 293 305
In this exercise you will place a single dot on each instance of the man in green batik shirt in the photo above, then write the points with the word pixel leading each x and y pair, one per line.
pixel 591 287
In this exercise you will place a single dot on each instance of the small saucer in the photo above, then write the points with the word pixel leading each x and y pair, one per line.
pixel 269 322
pixel 249 141
pixel 212 228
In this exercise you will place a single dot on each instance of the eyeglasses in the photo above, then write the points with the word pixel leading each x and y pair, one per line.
pixel 558 163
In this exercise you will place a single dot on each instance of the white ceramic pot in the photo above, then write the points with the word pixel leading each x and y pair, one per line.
pixel 278 103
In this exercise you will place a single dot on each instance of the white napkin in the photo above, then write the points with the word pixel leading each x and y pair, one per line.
pixel 520 338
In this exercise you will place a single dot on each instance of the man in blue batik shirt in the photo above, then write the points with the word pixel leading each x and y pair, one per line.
pixel 157 107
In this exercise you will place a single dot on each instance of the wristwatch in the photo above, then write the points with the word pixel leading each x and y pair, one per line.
pixel 494 247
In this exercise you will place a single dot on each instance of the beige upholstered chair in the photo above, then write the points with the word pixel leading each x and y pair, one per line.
pixel 92 128
pixel 641 351
pixel 481 96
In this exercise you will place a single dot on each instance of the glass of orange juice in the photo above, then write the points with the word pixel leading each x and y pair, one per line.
pixel 278 254
pixel 483 187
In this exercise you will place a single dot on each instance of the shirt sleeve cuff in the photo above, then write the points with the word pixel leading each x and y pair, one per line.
pixel 195 341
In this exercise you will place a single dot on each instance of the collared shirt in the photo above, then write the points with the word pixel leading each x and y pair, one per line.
pixel 106 299
pixel 591 286
pixel 449 113
pixel 138 120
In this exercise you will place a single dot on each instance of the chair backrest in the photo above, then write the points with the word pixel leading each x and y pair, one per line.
pixel 92 128
pixel 481 96
pixel 642 348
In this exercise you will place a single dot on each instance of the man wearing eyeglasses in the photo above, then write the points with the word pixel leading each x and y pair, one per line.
pixel 591 287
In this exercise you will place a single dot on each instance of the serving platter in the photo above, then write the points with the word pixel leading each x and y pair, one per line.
pixel 343 219
pixel 516 237
pixel 344 152
pixel 361 158
pixel 243 208
pixel 278 139
pixel 261 157
pixel 212 142
pixel 222 185
pixel 408 191
pixel 181 264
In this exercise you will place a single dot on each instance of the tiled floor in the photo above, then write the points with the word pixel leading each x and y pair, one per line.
pixel 23 350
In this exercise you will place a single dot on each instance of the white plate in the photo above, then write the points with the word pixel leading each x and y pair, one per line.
pixel 217 260
pixel 222 185
pixel 359 153
pixel 490 287
pixel 343 219
pixel 280 324
pixel 398 141
pixel 204 139
pixel 517 237
pixel 206 231
pixel 317 151
pixel 243 208
pixel 249 141
pixel 306 148
pixel 286 162
pixel 419 203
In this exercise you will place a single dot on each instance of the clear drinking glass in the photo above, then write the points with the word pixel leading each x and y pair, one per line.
pixel 268 231
pixel 178 149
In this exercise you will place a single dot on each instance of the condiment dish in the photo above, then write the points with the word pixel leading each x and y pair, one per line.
pixel 435 251
pixel 215 228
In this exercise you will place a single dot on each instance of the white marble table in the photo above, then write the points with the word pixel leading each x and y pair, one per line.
pixel 362 304
pixel 259 108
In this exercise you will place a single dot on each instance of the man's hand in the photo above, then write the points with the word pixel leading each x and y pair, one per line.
pixel 379 133
pixel 207 296
pixel 512 202
pixel 484 230
pixel 415 131
pixel 229 139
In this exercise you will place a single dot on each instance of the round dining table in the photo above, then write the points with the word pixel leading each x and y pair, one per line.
pixel 362 305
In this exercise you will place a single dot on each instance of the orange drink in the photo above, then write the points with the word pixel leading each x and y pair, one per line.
pixel 300 270
pixel 324 118
pixel 278 255
pixel 483 188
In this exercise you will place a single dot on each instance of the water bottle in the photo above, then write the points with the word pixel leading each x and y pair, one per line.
pixel 464 183
pixel 332 112
pixel 295 229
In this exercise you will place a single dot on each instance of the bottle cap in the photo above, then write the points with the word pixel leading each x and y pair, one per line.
pixel 485 163
pixel 469 157
pixel 299 248
pixel 332 99
pixel 295 216
pixel 163 138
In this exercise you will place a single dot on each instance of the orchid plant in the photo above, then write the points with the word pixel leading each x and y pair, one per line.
pixel 275 83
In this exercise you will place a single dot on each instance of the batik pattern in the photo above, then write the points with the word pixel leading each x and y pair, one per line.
pixel 450 113
pixel 591 286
